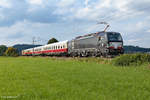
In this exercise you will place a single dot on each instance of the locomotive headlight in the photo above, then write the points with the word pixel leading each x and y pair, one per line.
pixel 110 44
pixel 120 45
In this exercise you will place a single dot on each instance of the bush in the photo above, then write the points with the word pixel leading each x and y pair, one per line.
pixel 131 59
pixel 3 48
pixel 52 40
pixel 11 52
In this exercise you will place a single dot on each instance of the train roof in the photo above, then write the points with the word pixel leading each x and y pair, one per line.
pixel 93 34
pixel 57 43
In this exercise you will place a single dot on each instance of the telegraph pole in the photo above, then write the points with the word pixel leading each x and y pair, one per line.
pixel 33 42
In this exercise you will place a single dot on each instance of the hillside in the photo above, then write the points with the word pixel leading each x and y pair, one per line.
pixel 135 49
pixel 21 47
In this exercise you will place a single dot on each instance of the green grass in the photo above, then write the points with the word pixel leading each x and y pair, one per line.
pixel 27 78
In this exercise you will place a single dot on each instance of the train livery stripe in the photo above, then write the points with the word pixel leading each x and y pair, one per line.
pixel 48 51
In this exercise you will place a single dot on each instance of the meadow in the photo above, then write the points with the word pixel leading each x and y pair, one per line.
pixel 37 78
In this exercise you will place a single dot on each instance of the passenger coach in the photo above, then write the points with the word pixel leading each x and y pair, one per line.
pixel 59 48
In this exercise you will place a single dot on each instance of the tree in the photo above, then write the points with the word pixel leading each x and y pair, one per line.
pixel 11 52
pixel 52 40
pixel 3 48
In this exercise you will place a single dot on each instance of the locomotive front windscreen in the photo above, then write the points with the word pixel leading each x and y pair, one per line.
pixel 114 37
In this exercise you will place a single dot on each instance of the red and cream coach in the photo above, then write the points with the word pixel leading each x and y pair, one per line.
pixel 59 48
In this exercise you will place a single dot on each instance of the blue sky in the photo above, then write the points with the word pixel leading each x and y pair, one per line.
pixel 21 20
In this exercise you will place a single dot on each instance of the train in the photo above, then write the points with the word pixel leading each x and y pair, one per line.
pixel 95 44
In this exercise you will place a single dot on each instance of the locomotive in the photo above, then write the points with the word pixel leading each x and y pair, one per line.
pixel 94 44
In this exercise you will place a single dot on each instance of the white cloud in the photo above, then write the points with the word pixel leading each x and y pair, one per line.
pixel 22 32
pixel 2 17
pixel 102 10
pixel 35 2
pixel 131 41
pixel 148 30
pixel 86 3
pixel 65 3
pixel 5 3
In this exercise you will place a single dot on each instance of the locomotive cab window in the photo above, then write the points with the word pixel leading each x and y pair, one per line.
pixel 114 37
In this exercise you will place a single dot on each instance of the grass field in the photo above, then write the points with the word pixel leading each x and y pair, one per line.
pixel 38 78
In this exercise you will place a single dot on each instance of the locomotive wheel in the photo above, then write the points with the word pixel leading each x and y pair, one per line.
pixel 84 54
pixel 79 55
pixel 74 54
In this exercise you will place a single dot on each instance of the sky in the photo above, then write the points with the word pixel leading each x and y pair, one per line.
pixel 21 20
